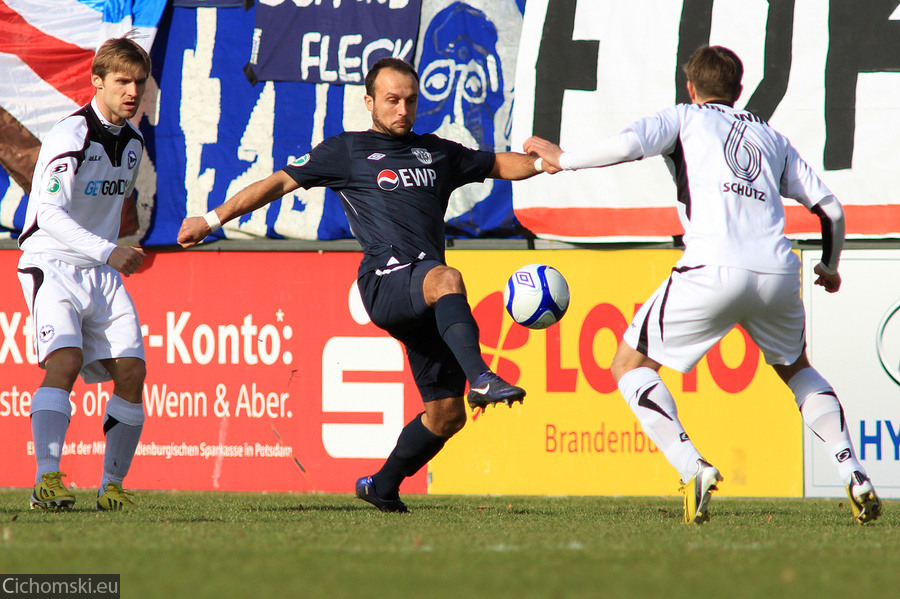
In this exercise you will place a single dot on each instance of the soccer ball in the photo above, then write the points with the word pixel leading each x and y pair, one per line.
pixel 536 296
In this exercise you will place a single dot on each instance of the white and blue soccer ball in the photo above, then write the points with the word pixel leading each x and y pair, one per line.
pixel 536 296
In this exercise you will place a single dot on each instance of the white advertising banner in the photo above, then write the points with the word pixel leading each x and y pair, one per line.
pixel 825 74
pixel 853 338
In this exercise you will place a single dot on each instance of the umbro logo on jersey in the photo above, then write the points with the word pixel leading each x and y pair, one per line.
pixel 132 159
pixel 388 180
pixel 375 156
pixel 422 154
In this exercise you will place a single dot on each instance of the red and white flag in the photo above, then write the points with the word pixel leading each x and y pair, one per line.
pixel 46 49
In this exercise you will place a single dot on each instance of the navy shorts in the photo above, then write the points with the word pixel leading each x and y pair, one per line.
pixel 396 303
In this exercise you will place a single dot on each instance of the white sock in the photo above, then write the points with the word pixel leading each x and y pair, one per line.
pixel 823 414
pixel 50 415
pixel 650 400
pixel 122 425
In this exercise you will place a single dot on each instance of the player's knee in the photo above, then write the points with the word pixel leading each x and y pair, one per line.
pixel 449 423
pixel 453 424
pixel 63 365
pixel 450 280
pixel 131 374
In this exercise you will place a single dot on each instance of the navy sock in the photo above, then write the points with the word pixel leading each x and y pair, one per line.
pixel 416 445
pixel 460 332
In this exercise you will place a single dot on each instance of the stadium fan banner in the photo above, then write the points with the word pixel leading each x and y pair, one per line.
pixel 574 434
pixel 264 373
pixel 466 56
pixel 330 41
pixel 209 133
pixel 854 339
pixel 823 73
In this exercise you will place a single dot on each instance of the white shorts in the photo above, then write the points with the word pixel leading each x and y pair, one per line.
pixel 87 308
pixel 696 306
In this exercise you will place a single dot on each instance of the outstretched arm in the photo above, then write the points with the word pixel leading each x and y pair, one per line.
pixel 195 229
pixel 608 151
pixel 514 166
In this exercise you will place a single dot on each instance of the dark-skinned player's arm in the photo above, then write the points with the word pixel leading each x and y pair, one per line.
pixel 513 166
pixel 195 229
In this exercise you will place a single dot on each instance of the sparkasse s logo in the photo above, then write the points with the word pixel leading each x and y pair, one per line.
pixel 388 180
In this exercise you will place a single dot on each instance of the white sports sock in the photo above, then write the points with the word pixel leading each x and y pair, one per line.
pixel 50 415
pixel 122 425
pixel 650 400
pixel 823 414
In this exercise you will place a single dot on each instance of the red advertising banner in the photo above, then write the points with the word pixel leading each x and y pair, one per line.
pixel 264 373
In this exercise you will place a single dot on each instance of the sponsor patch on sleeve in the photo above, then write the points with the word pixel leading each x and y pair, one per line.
pixel 301 161
pixel 53 186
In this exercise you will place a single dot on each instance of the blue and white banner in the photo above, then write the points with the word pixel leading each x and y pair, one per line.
pixel 209 132
pixel 330 41
pixel 467 63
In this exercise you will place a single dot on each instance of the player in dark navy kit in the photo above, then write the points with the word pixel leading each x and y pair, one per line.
pixel 395 185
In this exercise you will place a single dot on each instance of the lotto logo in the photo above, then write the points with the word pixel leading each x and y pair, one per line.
pixel 388 180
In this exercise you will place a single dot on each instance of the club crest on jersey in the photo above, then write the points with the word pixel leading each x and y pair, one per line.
pixel 301 161
pixel 375 156
pixel 47 333
pixel 53 186
pixel 388 180
pixel 132 159
pixel 422 154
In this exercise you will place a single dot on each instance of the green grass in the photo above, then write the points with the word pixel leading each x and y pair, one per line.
pixel 306 546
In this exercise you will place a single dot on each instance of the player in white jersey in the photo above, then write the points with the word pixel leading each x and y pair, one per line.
pixel 84 320
pixel 731 170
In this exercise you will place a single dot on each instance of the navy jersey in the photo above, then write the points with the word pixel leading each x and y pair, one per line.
pixel 394 190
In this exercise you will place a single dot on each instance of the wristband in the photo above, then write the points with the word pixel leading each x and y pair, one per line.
pixel 539 165
pixel 827 269
pixel 212 219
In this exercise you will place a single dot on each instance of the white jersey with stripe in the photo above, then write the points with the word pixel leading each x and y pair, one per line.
pixel 731 170
pixel 85 170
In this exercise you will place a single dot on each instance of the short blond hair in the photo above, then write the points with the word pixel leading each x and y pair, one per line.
pixel 121 55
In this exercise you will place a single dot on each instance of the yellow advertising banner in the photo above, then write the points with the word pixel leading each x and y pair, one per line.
pixel 574 434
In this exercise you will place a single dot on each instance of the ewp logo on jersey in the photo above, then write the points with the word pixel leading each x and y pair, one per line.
pixel 388 180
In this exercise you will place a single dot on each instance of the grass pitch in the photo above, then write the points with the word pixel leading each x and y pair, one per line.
pixel 218 545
